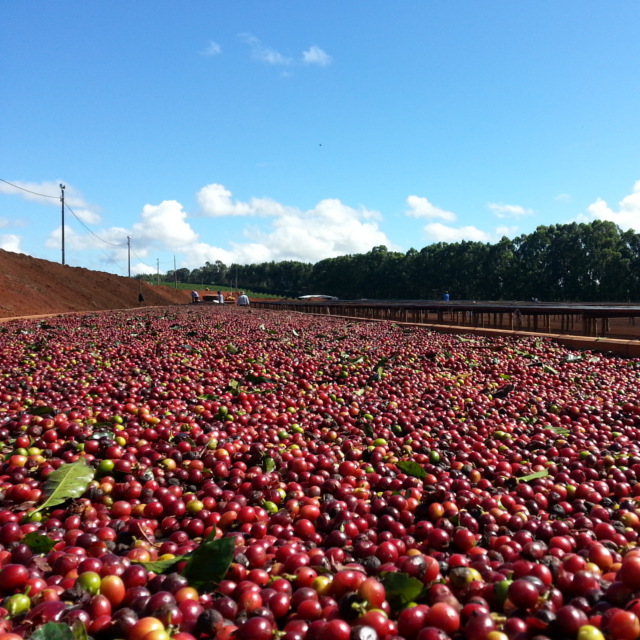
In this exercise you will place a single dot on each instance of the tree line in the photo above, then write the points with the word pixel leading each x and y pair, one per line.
pixel 585 262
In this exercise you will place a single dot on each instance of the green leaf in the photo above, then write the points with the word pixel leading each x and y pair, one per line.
pixel 401 589
pixel 41 411
pixel 561 431
pixel 269 464
pixel 99 435
pixel 161 566
pixel 38 542
pixel 67 481
pixel 381 363
pixel 505 376
pixel 367 429
pixel 210 562
pixel 411 468
pixel 254 379
pixel 53 631
pixel 534 476
pixel 79 631
pixel 211 536
pixel 548 369
pixel 232 349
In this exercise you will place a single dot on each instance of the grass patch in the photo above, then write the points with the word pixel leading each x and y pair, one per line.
pixel 213 288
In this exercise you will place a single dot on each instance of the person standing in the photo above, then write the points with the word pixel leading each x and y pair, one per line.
pixel 445 297
pixel 243 300
pixel 220 298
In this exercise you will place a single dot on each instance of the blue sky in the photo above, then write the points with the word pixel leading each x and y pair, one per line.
pixel 288 130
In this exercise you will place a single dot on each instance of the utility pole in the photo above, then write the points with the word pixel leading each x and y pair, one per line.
pixel 158 272
pixel 62 188
pixel 175 272
pixel 129 254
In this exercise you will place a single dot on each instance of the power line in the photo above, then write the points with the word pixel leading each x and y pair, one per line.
pixel 113 244
pixel 109 258
pixel 66 206
pixel 137 256
pixel 42 195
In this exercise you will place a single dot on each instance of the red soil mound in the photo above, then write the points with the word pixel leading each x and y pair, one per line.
pixel 29 286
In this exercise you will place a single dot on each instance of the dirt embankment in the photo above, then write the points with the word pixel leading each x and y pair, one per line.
pixel 29 286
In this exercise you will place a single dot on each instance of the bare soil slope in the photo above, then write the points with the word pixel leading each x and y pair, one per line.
pixel 29 286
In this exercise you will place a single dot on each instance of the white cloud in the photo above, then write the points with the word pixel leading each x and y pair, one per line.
pixel 264 54
pixel 10 242
pixel 438 232
pixel 250 252
pixel 164 225
pixel 420 207
pixel 212 49
pixel 215 201
pixel 563 197
pixel 202 252
pixel 509 232
pixel 315 55
pixel 508 210
pixel 161 228
pixel 86 215
pixel 72 240
pixel 138 268
pixel 108 249
pixel 628 214
pixel 329 229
